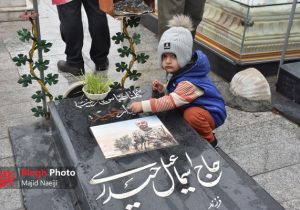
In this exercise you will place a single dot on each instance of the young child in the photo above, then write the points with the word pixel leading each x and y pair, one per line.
pixel 190 88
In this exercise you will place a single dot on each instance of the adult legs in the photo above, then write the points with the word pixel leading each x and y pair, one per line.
pixel 99 31
pixel 201 120
pixel 166 10
pixel 194 9
pixel 72 31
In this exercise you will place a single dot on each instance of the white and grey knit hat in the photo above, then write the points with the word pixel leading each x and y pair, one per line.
pixel 178 39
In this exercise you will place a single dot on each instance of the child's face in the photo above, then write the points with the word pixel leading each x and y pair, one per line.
pixel 170 63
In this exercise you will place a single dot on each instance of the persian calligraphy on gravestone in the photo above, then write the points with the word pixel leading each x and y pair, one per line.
pixel 209 177
pixel 119 109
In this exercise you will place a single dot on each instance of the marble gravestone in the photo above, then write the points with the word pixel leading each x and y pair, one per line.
pixel 190 175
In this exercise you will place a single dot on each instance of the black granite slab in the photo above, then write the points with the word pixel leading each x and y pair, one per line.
pixel 288 83
pixel 233 188
pixel 33 146
pixel 287 107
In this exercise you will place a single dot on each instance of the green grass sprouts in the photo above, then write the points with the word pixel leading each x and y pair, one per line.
pixel 95 83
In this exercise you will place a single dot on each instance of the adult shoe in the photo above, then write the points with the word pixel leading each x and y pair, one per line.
pixel 68 68
pixel 102 66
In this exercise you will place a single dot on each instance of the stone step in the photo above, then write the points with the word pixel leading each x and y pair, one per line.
pixel 10 12
pixel 14 3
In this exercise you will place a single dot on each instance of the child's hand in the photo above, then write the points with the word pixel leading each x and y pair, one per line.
pixel 158 86
pixel 136 107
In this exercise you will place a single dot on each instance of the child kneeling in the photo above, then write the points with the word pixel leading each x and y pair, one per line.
pixel 190 88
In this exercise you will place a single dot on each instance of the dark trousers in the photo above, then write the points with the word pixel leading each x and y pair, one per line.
pixel 72 31
pixel 168 8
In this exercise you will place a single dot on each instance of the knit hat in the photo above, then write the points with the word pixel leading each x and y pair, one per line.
pixel 177 39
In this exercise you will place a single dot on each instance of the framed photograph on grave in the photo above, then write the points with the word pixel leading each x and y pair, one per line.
pixel 132 136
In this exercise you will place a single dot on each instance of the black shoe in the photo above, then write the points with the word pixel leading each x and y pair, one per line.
pixel 65 67
pixel 102 66
pixel 215 143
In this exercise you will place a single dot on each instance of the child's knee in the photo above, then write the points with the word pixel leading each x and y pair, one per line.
pixel 193 117
pixel 189 116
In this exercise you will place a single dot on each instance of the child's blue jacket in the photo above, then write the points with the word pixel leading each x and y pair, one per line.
pixel 197 74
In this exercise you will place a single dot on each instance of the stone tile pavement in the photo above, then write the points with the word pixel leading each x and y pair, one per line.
pixel 264 144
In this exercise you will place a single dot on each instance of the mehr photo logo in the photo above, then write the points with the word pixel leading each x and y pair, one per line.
pixel 7 178
pixel 48 178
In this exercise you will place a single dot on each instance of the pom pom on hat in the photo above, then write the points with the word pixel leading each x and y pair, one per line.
pixel 178 39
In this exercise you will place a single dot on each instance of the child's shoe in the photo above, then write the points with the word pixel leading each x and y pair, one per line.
pixel 214 143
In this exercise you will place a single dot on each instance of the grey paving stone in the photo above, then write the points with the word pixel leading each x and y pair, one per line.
pixel 13 122
pixel 9 86
pixel 15 111
pixel 293 204
pixel 15 47
pixel 7 162
pixel 266 132
pixel 16 96
pixel 59 89
pixel 261 158
pixel 11 199
pixel 48 8
pixel 6 62
pixel 7 68
pixel 9 74
pixel 236 119
pixel 282 184
pixel 5 149
pixel 8 29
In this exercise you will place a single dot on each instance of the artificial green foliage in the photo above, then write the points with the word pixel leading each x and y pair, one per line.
pixel 136 38
pixel 134 75
pixel 39 65
pixel 38 96
pixel 118 38
pixel 121 67
pixel 51 79
pixel 24 35
pixel 39 111
pixel 43 45
pixel 116 85
pixel 133 21
pixel 25 80
pixel 126 51
pixel 57 98
pixel 95 83
pixel 142 58
pixel 20 60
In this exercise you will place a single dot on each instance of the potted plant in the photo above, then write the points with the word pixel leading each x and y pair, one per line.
pixel 95 86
